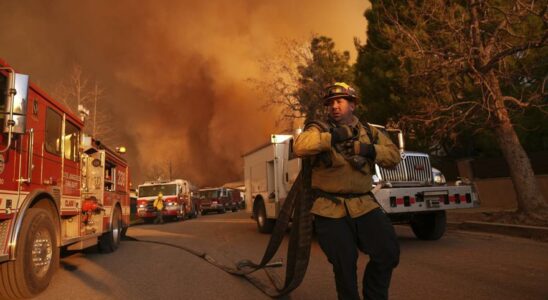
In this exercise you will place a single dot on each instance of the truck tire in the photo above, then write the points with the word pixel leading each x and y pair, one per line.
pixel 110 241
pixel 37 257
pixel 264 224
pixel 234 207
pixel 429 226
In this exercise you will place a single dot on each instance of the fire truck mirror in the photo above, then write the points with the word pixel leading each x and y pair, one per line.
pixel 18 105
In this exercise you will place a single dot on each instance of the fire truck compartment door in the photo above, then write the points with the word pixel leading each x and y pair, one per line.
pixel 94 165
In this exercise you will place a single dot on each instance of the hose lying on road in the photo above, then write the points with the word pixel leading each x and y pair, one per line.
pixel 295 208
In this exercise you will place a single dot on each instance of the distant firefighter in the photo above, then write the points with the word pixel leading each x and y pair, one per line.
pixel 159 207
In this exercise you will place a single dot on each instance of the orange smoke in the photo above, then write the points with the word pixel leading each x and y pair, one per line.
pixel 174 71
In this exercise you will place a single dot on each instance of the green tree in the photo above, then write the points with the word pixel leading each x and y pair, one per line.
pixel 379 78
pixel 297 77
pixel 378 75
pixel 450 68
pixel 325 67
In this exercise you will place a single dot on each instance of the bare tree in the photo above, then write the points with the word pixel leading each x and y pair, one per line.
pixel 473 64
pixel 155 172
pixel 77 90
pixel 99 123
pixel 165 170
pixel 296 78
pixel 73 91
pixel 280 82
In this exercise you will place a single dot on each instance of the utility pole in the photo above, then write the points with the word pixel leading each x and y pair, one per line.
pixel 95 109
pixel 170 171
pixel 78 88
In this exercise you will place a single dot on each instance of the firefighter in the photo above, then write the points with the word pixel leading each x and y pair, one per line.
pixel 159 207
pixel 346 216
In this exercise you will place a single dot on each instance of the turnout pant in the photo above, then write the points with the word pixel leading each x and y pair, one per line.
pixel 159 217
pixel 371 233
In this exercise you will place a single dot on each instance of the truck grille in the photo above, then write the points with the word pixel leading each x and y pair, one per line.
pixel 413 169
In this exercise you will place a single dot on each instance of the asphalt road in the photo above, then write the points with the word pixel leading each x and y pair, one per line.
pixel 461 265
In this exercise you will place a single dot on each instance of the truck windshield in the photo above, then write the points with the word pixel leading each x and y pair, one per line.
pixel 154 190
pixel 211 194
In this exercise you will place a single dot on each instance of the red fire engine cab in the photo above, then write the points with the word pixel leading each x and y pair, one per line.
pixel 218 199
pixel 178 204
pixel 58 188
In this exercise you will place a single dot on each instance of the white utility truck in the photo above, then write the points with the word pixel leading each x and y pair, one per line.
pixel 412 193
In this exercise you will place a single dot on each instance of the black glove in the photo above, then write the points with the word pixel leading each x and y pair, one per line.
pixel 351 148
pixel 357 161
pixel 346 148
pixel 365 150
pixel 340 134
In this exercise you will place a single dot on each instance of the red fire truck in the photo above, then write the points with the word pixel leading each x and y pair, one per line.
pixel 218 199
pixel 58 188
pixel 176 195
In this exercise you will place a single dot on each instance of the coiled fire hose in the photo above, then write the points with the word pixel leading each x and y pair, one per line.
pixel 296 208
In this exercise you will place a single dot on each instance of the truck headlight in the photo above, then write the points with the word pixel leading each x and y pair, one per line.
pixel 438 177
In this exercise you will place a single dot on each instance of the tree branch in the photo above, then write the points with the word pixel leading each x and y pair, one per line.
pixel 510 51
pixel 492 40
pixel 477 46
pixel 515 101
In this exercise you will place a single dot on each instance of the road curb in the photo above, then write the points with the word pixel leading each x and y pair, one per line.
pixel 524 231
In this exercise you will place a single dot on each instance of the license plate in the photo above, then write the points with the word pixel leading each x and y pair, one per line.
pixel 432 203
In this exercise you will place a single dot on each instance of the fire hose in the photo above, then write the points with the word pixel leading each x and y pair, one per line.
pixel 296 209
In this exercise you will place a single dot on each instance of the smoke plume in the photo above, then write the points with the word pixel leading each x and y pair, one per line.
pixel 174 72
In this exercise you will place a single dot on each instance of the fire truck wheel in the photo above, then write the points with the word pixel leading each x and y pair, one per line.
pixel 264 224
pixel 37 257
pixel 234 208
pixel 204 212
pixel 429 226
pixel 110 241
pixel 222 210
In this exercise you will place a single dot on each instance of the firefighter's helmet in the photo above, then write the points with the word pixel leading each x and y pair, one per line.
pixel 160 195
pixel 340 90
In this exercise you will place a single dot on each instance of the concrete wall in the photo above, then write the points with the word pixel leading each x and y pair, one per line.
pixel 499 193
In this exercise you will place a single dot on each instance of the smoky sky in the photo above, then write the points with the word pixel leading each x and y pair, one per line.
pixel 174 72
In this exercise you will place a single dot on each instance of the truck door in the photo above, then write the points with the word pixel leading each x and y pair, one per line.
pixel 70 197
pixel 291 167
pixel 270 180
pixel 271 204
